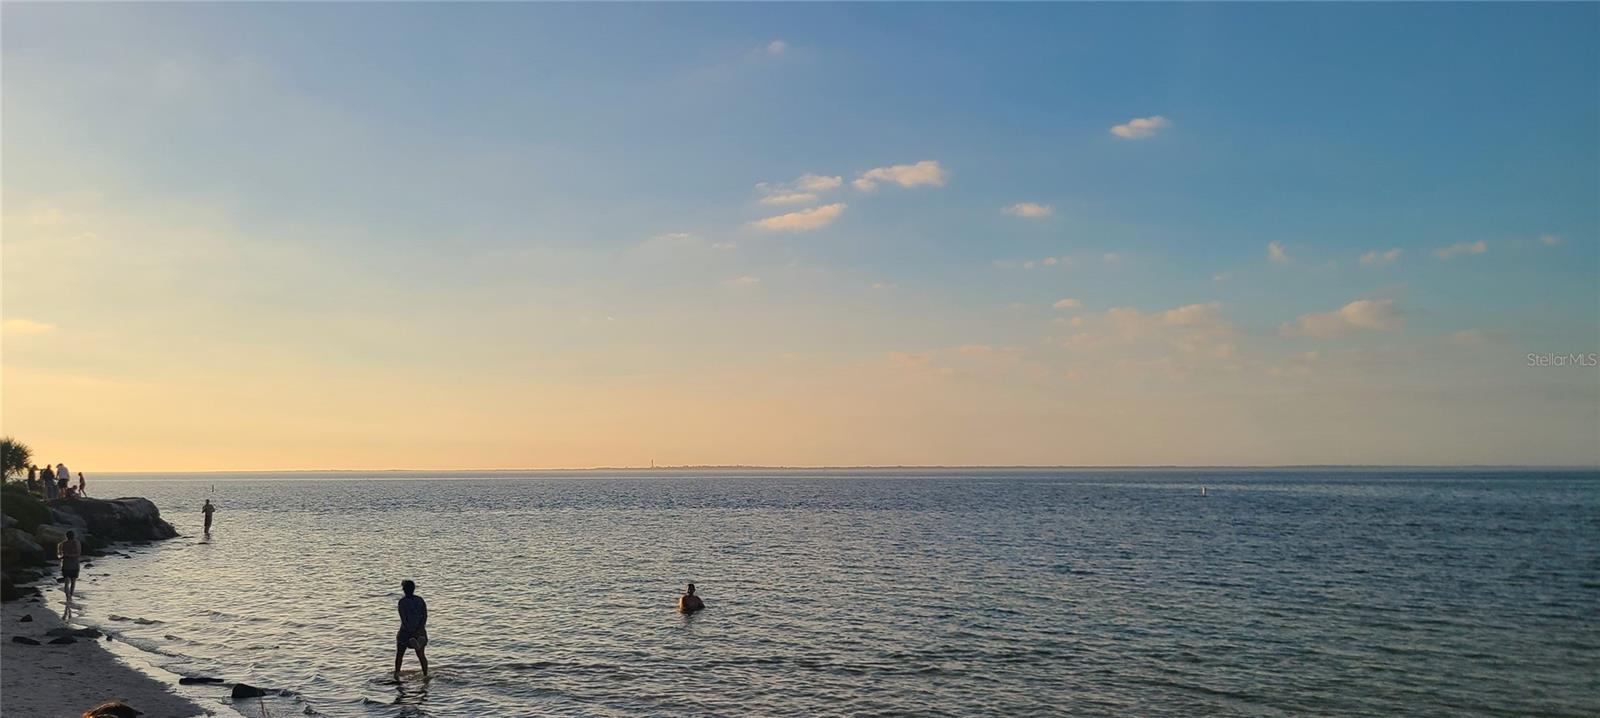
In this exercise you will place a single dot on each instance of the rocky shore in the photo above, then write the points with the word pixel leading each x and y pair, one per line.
pixel 51 668
pixel 31 528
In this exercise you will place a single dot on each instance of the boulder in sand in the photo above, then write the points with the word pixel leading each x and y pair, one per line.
pixel 245 690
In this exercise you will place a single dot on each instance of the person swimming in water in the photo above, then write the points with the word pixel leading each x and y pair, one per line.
pixel 688 602
pixel 413 632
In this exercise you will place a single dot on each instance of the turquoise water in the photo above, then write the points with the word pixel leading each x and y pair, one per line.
pixel 961 593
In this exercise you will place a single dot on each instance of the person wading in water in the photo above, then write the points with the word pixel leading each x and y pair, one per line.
pixel 413 632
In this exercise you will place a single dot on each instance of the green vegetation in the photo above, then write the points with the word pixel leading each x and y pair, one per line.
pixel 27 509
pixel 14 457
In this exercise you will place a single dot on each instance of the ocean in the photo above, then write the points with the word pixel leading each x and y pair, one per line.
pixel 970 592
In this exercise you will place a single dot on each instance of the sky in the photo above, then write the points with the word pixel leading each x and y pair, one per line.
pixel 371 236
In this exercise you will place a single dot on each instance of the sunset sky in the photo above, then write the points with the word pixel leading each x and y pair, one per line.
pixel 293 236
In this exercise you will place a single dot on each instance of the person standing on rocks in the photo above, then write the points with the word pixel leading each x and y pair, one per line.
pixel 413 632
pixel 33 479
pixel 83 489
pixel 208 510
pixel 47 476
pixel 69 552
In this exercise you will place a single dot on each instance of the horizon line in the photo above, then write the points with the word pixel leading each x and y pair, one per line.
pixel 862 467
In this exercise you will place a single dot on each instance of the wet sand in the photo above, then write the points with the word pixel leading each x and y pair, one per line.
pixel 65 680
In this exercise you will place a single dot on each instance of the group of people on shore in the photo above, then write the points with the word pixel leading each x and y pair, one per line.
pixel 55 483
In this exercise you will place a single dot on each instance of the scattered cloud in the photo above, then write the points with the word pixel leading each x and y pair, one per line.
pixel 804 220
pixel 926 172
pixel 1550 240
pixel 805 189
pixel 1068 303
pixel 1221 277
pixel 725 246
pixel 1370 314
pixel 1140 128
pixel 745 281
pixel 1478 247
pixel 1198 333
pixel 1111 258
pixel 1029 210
pixel 883 286
pixel 26 326
pixel 777 47
pixel 1379 259
pixel 1275 252
pixel 1042 263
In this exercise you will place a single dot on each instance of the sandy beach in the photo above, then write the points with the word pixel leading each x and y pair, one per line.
pixel 50 680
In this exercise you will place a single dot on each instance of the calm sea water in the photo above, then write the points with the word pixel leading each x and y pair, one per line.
pixel 960 593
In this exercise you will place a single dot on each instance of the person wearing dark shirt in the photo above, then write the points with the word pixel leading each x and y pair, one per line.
pixel 47 477
pixel 208 510
pixel 413 632
pixel 688 602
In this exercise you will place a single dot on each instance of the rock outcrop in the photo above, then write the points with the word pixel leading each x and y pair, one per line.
pixel 32 528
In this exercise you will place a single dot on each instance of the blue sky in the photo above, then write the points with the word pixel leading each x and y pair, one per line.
pixel 565 200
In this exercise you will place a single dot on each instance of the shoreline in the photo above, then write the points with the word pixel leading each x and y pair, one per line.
pixel 66 680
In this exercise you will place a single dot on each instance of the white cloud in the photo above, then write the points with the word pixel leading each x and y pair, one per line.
pixel 1275 252
pixel 1141 128
pixel 725 246
pixel 1197 331
pixel 790 198
pixel 1029 210
pixel 804 220
pixel 926 172
pixel 1221 277
pixel 745 281
pixel 1068 303
pixel 881 286
pixel 804 189
pixel 777 47
pixel 1379 259
pixel 1111 258
pixel 1478 247
pixel 1550 240
pixel 1372 314
pixel 26 326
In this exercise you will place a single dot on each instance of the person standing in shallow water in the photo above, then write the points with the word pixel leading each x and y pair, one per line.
pixel 413 632
pixel 69 552
pixel 688 602
pixel 208 510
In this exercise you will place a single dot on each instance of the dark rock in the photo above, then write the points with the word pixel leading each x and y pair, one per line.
pixel 125 519
pixel 192 680
pixel 63 640
pixel 24 640
pixel 26 618
pixel 21 547
pixel 245 690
